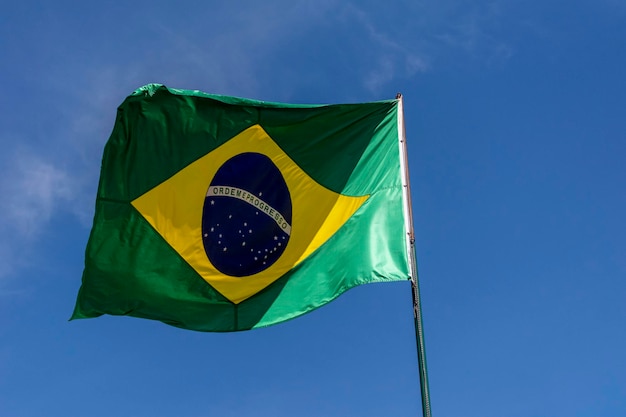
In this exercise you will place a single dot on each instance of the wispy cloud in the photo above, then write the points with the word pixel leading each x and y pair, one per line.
pixel 51 166
pixel 235 54
pixel 7 263
pixel 33 191
pixel 474 31
pixel 392 59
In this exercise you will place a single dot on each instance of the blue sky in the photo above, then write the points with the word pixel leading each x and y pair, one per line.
pixel 516 122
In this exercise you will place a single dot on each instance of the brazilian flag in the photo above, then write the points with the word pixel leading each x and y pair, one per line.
pixel 218 213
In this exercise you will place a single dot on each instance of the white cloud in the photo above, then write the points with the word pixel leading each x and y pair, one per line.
pixel 391 58
pixel 474 30
pixel 6 261
pixel 33 189
pixel 233 54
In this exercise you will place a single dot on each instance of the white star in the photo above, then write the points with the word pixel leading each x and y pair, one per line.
pixel 275 237
pixel 220 235
pixel 250 231
pixel 212 228
pixel 225 248
pixel 260 194
pixel 230 216
pixel 206 235
pixel 243 243
pixel 212 202
pixel 279 244
pixel 245 224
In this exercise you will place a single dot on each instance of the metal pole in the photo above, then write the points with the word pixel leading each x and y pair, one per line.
pixel 417 310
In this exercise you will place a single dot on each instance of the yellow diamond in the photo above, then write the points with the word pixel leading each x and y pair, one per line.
pixel 174 208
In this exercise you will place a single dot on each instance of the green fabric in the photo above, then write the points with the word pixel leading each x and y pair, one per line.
pixel 351 149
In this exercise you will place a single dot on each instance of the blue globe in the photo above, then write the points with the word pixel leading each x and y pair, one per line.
pixel 247 213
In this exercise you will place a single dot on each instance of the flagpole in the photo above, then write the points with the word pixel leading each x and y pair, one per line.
pixel 417 310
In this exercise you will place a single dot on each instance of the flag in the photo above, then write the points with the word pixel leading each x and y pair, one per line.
pixel 218 213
